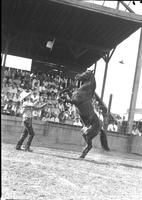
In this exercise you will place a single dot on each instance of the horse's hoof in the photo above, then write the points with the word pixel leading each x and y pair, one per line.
pixel 82 156
pixel 107 149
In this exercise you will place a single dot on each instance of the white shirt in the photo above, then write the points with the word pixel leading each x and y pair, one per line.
pixel 27 111
pixel 112 127
pixel 77 123
pixel 35 97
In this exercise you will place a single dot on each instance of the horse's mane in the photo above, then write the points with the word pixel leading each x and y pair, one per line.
pixel 89 83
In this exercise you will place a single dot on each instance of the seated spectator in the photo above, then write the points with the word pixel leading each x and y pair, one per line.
pixel 9 81
pixel 61 106
pixel 16 99
pixel 23 74
pixel 8 96
pixel 77 122
pixel 25 85
pixel 112 127
pixel 16 96
pixel 39 113
pixel 14 108
pixel 36 87
pixel 42 89
pixel 136 130
pixel 17 81
pixel 52 117
pixel 68 118
pixel 44 118
pixel 35 82
pixel 57 80
pixel 4 80
pixel 35 96
pixel 55 109
pixel 35 114
pixel 53 95
pixel 8 108
pixel 18 109
pixel 44 96
pixel 45 83
pixel 62 117
pixel 13 89
pixel 2 102
pixel 6 73
pixel 13 72
pixel 56 118
pixel 5 88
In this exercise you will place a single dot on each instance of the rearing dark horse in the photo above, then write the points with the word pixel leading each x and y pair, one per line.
pixel 82 99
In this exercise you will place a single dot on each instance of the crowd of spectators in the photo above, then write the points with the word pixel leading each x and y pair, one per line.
pixel 122 127
pixel 44 88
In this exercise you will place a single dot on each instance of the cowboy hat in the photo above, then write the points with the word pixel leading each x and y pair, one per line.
pixel 23 95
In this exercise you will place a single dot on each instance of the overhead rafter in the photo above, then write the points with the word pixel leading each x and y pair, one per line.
pixel 84 32
pixel 101 9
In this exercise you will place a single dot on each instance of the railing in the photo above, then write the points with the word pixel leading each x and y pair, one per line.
pixel 118 3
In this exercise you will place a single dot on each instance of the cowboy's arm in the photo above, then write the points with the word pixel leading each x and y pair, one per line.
pixel 34 106
pixel 39 107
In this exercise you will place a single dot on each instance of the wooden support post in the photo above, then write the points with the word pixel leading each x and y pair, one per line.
pixel 117 7
pixel 135 87
pixel 105 75
pixel 106 118
pixel 109 105
pixel 104 80
pixel 106 59
pixel 127 7
pixel 95 66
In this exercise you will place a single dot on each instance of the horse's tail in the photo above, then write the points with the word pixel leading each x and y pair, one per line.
pixel 103 139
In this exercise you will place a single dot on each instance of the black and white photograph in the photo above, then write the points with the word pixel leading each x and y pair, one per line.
pixel 71 100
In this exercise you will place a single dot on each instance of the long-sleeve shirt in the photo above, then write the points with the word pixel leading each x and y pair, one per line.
pixel 27 109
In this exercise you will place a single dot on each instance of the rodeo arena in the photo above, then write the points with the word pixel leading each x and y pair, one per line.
pixel 60 138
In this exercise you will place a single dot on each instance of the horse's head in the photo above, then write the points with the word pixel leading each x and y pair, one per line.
pixel 85 76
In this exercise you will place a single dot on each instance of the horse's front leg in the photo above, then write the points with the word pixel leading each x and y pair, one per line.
pixel 88 146
pixel 88 141
pixel 71 101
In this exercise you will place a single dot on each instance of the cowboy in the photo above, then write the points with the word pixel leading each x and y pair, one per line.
pixel 27 111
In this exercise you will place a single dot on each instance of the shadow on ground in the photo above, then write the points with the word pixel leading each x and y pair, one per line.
pixel 89 160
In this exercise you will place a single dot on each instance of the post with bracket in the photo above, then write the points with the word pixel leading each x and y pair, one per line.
pixel 106 58
pixel 95 66
pixel 134 93
pixel 106 117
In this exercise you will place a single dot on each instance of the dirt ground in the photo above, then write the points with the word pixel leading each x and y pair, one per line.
pixel 51 174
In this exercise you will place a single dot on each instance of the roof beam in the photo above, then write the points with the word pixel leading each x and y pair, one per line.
pixel 101 9
pixel 87 46
pixel 127 7
pixel 65 41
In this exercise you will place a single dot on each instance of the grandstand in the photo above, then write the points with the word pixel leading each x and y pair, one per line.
pixel 80 41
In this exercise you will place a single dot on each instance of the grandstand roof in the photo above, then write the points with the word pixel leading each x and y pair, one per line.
pixel 82 32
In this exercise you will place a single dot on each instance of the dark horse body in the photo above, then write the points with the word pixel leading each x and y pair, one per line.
pixel 82 99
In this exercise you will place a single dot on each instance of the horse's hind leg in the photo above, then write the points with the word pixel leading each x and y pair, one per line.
pixel 88 147
pixel 85 137
pixel 88 135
